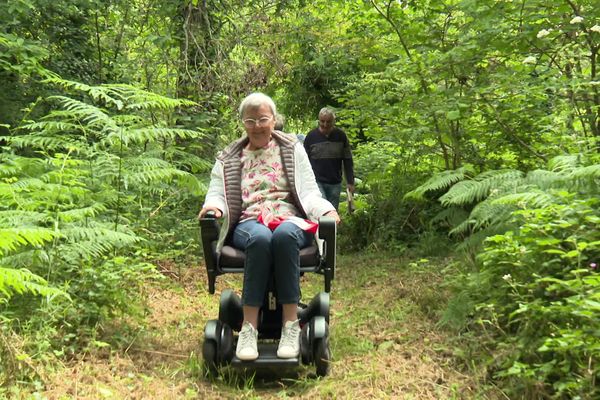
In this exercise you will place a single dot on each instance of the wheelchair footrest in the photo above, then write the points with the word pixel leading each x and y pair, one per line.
pixel 267 357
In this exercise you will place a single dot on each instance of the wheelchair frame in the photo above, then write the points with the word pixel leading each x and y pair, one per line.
pixel 219 340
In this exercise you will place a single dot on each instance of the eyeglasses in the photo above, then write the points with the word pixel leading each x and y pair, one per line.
pixel 261 122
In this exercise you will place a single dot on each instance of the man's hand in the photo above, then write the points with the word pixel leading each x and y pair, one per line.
pixel 334 215
pixel 350 188
pixel 218 213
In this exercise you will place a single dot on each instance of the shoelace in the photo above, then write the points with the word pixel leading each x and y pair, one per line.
pixel 290 336
pixel 246 337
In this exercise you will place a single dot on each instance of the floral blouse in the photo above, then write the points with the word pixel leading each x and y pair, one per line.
pixel 266 191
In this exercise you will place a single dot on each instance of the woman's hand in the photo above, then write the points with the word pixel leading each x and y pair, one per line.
pixel 205 210
pixel 334 215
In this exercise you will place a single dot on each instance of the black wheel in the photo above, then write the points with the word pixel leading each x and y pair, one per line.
pixel 305 349
pixel 322 356
pixel 209 355
pixel 225 354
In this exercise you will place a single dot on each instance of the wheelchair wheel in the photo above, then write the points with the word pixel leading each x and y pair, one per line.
pixel 209 355
pixel 305 349
pixel 322 356
pixel 225 352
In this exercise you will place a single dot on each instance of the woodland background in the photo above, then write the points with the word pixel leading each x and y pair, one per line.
pixel 475 127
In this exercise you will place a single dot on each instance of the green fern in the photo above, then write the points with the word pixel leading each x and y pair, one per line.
pixel 533 199
pixel 493 196
pixel 152 134
pixel 98 164
pixel 475 190
pixel 591 172
pixel 22 281
pixel 440 181
pixel 565 163
pixel 88 114
pixel 13 238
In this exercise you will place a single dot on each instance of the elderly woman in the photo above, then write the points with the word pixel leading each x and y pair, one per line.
pixel 264 187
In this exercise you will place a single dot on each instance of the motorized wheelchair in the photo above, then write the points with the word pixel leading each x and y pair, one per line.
pixel 219 343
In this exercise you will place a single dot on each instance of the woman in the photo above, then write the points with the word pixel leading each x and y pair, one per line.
pixel 261 182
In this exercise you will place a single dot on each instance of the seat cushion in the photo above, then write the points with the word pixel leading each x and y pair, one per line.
pixel 234 258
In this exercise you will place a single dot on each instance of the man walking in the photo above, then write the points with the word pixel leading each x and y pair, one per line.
pixel 328 148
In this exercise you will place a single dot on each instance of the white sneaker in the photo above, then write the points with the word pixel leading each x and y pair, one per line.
pixel 246 349
pixel 289 344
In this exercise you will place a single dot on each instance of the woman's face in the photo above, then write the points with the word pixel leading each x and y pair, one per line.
pixel 258 122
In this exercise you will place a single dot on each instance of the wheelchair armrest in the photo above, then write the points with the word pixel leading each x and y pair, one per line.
pixel 209 233
pixel 328 232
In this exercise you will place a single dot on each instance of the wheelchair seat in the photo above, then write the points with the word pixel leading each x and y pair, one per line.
pixel 219 341
pixel 231 259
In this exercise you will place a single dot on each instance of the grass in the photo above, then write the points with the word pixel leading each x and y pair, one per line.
pixel 384 341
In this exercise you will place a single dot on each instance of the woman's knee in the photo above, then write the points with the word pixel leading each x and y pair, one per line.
pixel 259 240
pixel 286 233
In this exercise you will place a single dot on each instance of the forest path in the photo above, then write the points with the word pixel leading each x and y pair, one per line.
pixel 384 343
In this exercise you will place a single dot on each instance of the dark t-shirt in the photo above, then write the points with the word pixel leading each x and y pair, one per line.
pixel 326 154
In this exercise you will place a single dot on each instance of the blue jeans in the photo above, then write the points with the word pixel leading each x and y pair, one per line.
pixel 265 248
pixel 331 192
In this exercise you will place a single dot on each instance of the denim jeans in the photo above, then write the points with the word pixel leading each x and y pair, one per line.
pixel 331 192
pixel 265 248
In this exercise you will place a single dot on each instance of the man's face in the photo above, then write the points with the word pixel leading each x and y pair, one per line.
pixel 326 124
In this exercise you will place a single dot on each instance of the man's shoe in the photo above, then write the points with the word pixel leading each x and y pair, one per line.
pixel 289 344
pixel 246 349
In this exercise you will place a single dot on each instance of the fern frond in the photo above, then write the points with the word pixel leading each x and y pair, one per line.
pixel 190 161
pixel 544 179
pixel 53 143
pixel 87 113
pixel 15 218
pixel 564 163
pixel 8 170
pixel 439 181
pixel 138 99
pixel 12 238
pixel 193 185
pixel 462 193
pixel 150 134
pixel 98 234
pixel 490 213
pixel 26 258
pixel 149 176
pixel 534 199
pixel 145 162
pixel 98 93
pixel 78 214
pixel 450 216
pixel 471 191
pixel 51 127
pixel 484 214
pixel 588 172
pixel 92 242
pixel 22 281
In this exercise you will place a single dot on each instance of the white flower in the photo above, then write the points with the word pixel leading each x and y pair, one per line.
pixel 576 20
pixel 595 28
pixel 530 60
pixel 507 277
pixel 543 33
pixel 522 249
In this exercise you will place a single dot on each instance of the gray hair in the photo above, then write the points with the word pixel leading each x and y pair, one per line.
pixel 279 122
pixel 255 100
pixel 326 112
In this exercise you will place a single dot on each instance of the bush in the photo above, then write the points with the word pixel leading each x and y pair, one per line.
pixel 536 301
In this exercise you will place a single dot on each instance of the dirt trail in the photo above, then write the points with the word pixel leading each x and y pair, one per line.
pixel 383 345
